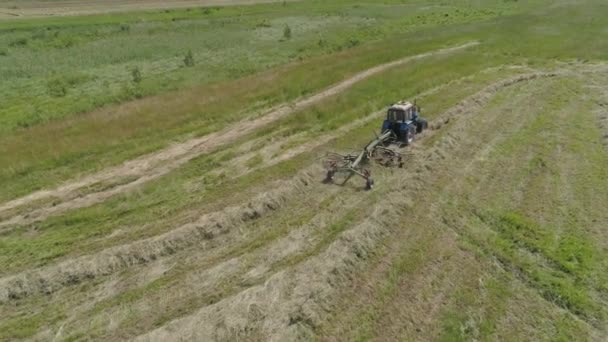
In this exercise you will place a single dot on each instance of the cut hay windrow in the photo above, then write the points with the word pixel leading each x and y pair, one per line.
pixel 293 304
pixel 52 278
pixel 201 232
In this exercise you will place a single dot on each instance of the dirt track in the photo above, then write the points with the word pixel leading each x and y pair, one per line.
pixel 143 169
pixel 35 8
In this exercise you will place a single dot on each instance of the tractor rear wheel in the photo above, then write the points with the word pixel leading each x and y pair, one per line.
pixel 421 125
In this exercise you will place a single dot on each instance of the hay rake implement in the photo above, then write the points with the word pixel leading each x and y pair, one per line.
pixel 358 164
pixel 402 124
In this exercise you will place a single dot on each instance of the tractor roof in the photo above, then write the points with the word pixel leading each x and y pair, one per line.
pixel 403 105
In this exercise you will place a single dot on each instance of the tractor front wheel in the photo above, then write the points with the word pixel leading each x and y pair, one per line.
pixel 409 136
pixel 369 184
pixel 329 177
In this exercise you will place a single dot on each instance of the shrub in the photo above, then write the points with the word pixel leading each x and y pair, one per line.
pixel 136 75
pixel 263 24
pixel 189 59
pixel 353 42
pixel 3 52
pixel 57 87
pixel 129 92
pixel 287 32
pixel 63 42
pixel 39 34
pixel 18 42
pixel 31 119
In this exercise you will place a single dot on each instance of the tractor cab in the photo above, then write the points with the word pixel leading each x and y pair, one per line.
pixel 403 119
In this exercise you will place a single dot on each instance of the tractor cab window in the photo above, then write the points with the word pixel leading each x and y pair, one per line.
pixel 408 114
pixel 395 115
pixel 401 115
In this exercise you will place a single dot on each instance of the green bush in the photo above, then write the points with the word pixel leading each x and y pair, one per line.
pixel 63 42
pixel 136 75
pixel 353 42
pixel 189 59
pixel 287 32
pixel 263 24
pixel 18 42
pixel 57 87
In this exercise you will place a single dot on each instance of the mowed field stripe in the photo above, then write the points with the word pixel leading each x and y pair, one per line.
pixel 157 164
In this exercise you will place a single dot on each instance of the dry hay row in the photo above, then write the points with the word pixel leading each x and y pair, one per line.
pixel 201 276
pixel 289 300
pixel 293 303
pixel 602 115
pixel 272 153
pixel 239 163
pixel 147 168
pixel 482 97
pixel 274 147
pixel 163 244
pixel 595 82
pixel 202 232
pixel 50 279
pixel 247 269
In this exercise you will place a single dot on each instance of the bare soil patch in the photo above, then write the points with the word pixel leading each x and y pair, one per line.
pixel 34 8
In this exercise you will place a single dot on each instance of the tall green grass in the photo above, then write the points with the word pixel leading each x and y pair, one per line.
pixel 227 43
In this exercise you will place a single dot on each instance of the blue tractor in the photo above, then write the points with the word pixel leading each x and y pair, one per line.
pixel 402 123
pixel 403 119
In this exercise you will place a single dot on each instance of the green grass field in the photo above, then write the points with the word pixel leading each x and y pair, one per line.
pixel 149 189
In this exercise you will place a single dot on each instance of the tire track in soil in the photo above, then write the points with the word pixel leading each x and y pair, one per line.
pixel 33 9
pixel 292 303
pixel 52 278
pixel 157 164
